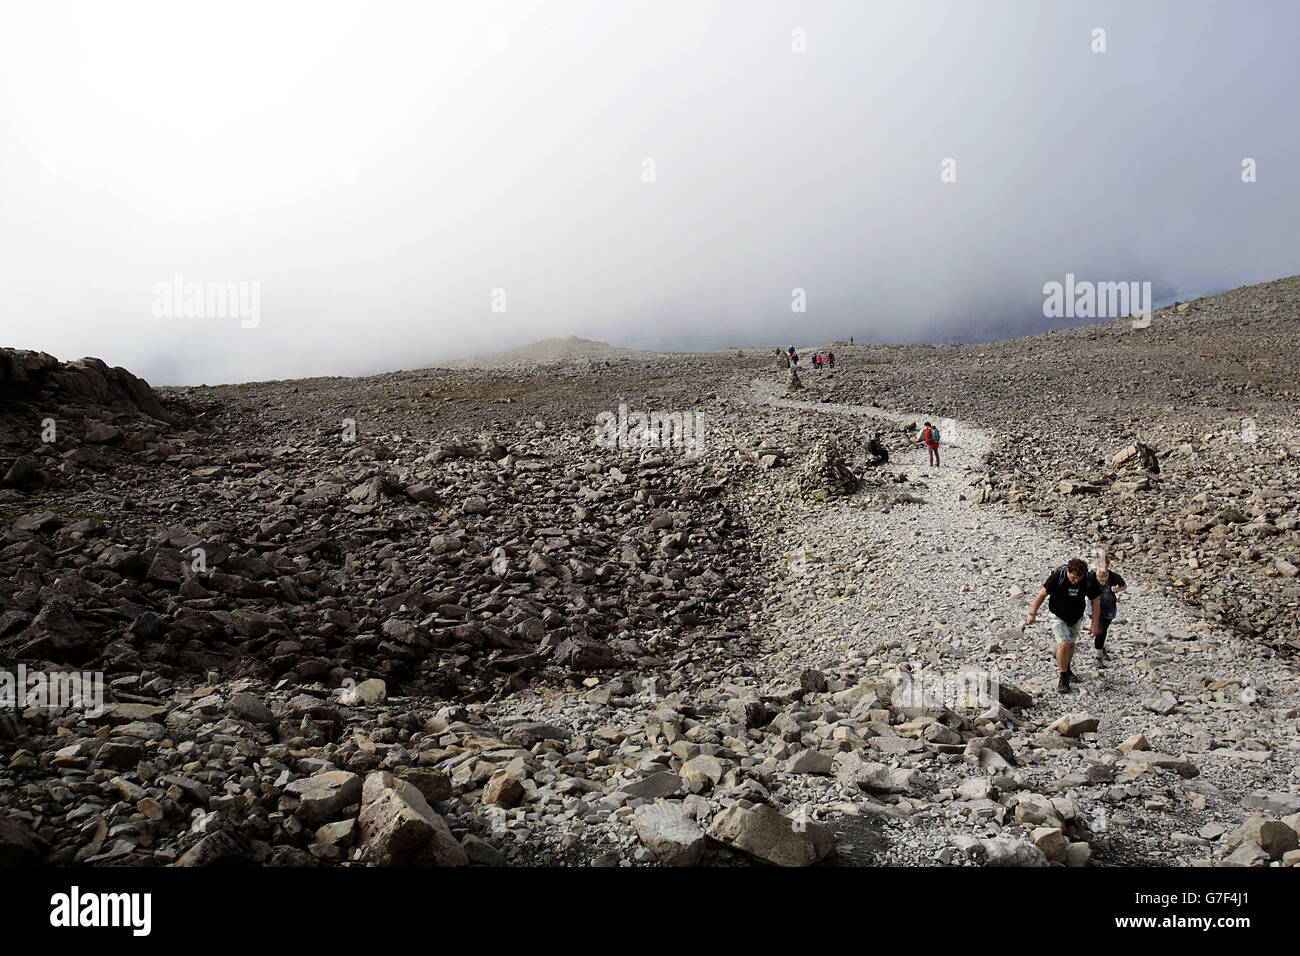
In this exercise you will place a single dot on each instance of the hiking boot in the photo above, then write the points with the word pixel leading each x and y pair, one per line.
pixel 1071 676
pixel 1063 685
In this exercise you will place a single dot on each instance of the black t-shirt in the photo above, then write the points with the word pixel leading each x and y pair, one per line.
pixel 1066 600
pixel 1109 606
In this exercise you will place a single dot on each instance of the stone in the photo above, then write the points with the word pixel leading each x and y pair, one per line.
pixel 254 623
pixel 56 634
pixel 766 835
pixel 1139 761
pixel 1001 851
pixel 367 694
pixel 528 732
pixel 1248 854
pixel 1165 704
pixel 976 788
pixel 399 827
pixel 874 777
pixel 481 853
pixel 1074 725
pixel 503 790
pixel 1274 802
pixel 1136 742
pixel 1052 841
pixel 1272 836
pixel 100 433
pixel 432 783
pixel 663 783
pixel 220 848
pixel 1078 854
pixel 810 761
pixel 703 770
pixel 812 681
pixel 341 833
pixel 1011 696
pixel 665 830
pixel 249 708
pixel 583 654
pixel 1036 810
pixel 19 846
pixel 323 796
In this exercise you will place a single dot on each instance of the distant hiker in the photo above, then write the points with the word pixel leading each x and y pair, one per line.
pixel 877 450
pixel 1066 591
pixel 830 359
pixel 930 435
pixel 850 340
pixel 794 356
pixel 817 361
pixel 1108 583
pixel 792 351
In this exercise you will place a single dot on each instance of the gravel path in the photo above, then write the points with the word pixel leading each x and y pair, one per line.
pixel 948 583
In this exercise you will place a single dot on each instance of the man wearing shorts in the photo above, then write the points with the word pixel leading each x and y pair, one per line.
pixel 1066 591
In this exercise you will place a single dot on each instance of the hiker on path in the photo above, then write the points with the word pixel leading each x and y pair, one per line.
pixel 1108 583
pixel 830 359
pixel 930 435
pixel 1066 590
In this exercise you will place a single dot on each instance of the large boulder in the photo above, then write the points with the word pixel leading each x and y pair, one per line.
pixel 400 828
pixel 766 835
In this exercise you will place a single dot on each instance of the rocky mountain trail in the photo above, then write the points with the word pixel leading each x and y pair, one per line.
pixel 431 617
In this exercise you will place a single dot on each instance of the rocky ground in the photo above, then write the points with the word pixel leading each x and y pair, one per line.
pixel 427 617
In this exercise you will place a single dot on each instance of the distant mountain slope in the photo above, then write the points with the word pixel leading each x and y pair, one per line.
pixel 570 349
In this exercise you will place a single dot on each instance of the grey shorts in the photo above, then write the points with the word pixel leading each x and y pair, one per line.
pixel 1063 633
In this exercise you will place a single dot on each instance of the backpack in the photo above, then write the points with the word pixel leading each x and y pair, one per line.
pixel 932 435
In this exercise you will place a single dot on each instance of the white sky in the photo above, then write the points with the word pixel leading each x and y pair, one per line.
pixel 379 168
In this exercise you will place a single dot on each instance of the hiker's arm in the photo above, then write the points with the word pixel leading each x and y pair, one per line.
pixel 1096 615
pixel 1038 602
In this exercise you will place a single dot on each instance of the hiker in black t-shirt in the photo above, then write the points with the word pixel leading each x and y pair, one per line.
pixel 1108 583
pixel 1066 591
